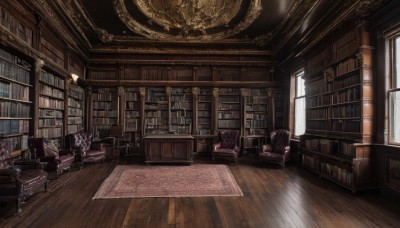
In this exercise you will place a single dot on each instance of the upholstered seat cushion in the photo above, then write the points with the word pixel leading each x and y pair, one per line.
pixel 32 178
pixel 91 153
pixel 272 156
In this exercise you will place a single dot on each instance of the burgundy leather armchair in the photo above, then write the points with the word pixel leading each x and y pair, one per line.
pixel 85 151
pixel 19 182
pixel 227 147
pixel 278 151
pixel 57 160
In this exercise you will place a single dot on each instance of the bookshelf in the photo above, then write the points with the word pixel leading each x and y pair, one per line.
pixel 133 107
pixel 339 110
pixel 181 110
pixel 256 118
pixel 51 95
pixel 156 111
pixel 75 108
pixel 204 113
pixel 229 109
pixel 105 105
pixel 15 104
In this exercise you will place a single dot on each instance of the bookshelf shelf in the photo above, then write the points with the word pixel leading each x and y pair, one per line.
pixel 104 102
pixel 339 111
pixel 75 108
pixel 15 103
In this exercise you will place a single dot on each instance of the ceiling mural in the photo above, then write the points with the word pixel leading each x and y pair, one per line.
pixel 189 20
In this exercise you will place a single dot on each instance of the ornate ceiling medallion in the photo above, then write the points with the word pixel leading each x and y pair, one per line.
pixel 189 20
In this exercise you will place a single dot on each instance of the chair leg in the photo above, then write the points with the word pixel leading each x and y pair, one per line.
pixel 19 202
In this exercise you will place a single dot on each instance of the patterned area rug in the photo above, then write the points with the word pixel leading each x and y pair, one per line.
pixel 130 181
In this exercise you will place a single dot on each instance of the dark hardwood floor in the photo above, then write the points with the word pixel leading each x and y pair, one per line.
pixel 273 197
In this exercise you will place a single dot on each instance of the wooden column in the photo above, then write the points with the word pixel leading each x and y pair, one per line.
pixel 39 63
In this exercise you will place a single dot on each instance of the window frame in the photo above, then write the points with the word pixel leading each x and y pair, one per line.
pixel 298 75
pixel 393 81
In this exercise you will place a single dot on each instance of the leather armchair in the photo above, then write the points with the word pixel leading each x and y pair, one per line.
pixel 85 151
pixel 227 147
pixel 57 160
pixel 19 182
pixel 278 151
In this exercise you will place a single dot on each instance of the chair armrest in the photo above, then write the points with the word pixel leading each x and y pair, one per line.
pixel 29 164
pixel 286 150
pixel 216 146
pixel 267 148
pixel 9 172
pixel 237 149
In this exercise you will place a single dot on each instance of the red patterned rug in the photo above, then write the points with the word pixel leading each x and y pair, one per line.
pixel 129 181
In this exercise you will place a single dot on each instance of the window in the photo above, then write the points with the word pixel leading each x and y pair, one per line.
pixel 299 105
pixel 394 93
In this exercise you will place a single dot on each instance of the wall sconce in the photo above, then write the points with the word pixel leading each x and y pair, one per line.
pixel 74 77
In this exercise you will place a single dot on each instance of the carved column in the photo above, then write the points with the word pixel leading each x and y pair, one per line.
pixel 39 63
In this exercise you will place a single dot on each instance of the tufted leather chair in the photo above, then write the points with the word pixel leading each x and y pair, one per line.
pixel 18 182
pixel 227 147
pixel 85 151
pixel 278 151
pixel 45 150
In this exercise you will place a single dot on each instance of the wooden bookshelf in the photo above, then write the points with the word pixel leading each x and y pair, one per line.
pixel 339 109
pixel 75 108
pixel 15 104
pixel 229 109
pixel 51 98
pixel 181 111
pixel 105 109
pixel 156 111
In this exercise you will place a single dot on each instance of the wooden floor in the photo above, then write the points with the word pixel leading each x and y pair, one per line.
pixel 273 197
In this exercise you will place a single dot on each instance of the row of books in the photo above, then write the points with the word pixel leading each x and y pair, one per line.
pixel 45 102
pixel 181 105
pixel 256 131
pixel 49 91
pixel 158 113
pixel 104 105
pixel 50 122
pixel 204 106
pixel 228 115
pixel 105 113
pixel 181 98
pixel 346 125
pixel 319 100
pixel 204 98
pixel 104 121
pixel 155 74
pixel 135 105
pixel 256 123
pixel 46 113
pixel 202 120
pixel 256 100
pixel 346 66
pixel 74 120
pixel 179 129
pixel 14 72
pixel 50 132
pixel 346 82
pixel 132 114
pixel 256 107
pixel 12 127
pixel 14 109
pixel 229 91
pixel 256 116
pixel 204 114
pixel 348 95
pixel 18 142
pixel 14 91
pixel 232 124
pixel 51 79
pixel 75 112
pixel 315 114
pixel 74 103
pixel 182 113
pixel 317 87
pixel 75 92
pixel 132 96
pixel 323 125
pixel 308 161
pixel 131 125
pixel 56 54
pixel 9 21
pixel 223 107
pixel 346 111
pixel 181 120
pixel 231 99
pixel 337 173
pixel 103 97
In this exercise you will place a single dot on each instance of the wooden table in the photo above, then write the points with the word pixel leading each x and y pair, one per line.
pixel 168 149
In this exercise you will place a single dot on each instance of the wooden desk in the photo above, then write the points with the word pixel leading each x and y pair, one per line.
pixel 168 149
